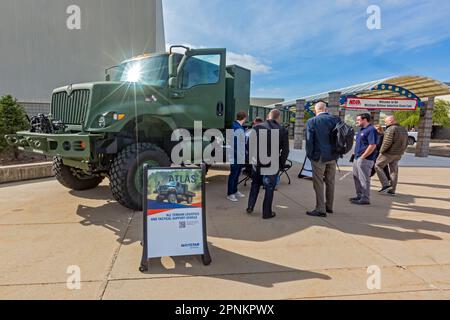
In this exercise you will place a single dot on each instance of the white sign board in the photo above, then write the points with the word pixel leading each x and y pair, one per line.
pixel 174 214
pixel 176 232
pixel 307 170
pixel 381 104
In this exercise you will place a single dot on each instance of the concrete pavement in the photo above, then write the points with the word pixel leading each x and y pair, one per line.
pixel 45 228
pixel 408 160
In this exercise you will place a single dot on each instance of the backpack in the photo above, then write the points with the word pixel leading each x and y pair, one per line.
pixel 343 137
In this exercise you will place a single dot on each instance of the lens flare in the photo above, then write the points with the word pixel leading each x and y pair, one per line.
pixel 133 74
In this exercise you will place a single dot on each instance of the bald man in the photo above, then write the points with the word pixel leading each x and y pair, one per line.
pixel 320 150
pixel 392 150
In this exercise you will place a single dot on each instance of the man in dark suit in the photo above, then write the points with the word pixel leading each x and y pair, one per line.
pixel 259 175
pixel 320 149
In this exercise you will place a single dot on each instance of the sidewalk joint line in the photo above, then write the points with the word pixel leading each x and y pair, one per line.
pixel 116 252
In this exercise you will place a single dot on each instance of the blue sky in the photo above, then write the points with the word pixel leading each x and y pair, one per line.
pixel 296 47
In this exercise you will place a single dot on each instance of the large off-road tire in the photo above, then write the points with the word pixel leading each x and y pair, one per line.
pixel 125 182
pixel 172 198
pixel 71 180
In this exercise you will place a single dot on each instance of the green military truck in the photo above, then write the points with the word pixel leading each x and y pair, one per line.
pixel 112 128
pixel 174 192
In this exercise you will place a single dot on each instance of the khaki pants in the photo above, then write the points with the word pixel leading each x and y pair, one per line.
pixel 362 170
pixel 324 173
pixel 391 161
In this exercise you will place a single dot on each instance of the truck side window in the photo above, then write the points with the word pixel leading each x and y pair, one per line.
pixel 201 70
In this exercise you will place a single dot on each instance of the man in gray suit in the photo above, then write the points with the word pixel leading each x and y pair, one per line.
pixel 321 151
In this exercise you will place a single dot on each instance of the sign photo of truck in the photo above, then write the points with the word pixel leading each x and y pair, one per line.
pixel 174 192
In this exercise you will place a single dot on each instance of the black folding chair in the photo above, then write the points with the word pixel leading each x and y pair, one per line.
pixel 247 173
pixel 285 170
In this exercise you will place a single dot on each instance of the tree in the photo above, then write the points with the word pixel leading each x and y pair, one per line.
pixel 306 117
pixel 12 119
pixel 441 115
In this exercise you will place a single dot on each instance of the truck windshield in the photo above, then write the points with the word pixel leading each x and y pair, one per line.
pixel 152 71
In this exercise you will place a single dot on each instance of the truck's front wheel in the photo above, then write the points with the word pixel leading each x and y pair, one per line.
pixel 173 198
pixel 71 179
pixel 126 172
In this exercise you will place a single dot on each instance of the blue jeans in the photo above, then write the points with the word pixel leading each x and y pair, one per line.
pixel 233 179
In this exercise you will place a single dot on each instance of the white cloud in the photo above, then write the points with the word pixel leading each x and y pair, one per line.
pixel 249 62
pixel 244 60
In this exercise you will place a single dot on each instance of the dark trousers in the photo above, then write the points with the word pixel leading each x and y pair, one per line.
pixel 269 182
pixel 233 179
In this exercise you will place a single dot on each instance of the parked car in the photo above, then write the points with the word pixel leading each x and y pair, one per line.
pixel 413 137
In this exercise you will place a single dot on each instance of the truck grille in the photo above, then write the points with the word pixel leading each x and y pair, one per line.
pixel 73 109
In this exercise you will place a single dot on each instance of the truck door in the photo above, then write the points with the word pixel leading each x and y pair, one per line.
pixel 201 88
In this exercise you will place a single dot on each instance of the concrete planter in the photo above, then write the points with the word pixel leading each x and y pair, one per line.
pixel 25 172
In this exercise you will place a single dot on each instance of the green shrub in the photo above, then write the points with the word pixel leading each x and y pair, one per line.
pixel 12 119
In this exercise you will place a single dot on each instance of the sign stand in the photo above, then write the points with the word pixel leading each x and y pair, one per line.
pixel 307 170
pixel 174 216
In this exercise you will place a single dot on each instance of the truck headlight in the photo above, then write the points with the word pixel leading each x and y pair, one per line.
pixel 102 122
pixel 109 118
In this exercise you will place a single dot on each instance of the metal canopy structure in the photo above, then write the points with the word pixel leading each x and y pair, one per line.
pixel 413 87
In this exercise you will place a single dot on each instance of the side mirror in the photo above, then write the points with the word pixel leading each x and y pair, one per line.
pixel 172 66
pixel 107 75
pixel 173 82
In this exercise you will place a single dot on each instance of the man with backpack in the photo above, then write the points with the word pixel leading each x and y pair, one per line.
pixel 321 150
pixel 261 135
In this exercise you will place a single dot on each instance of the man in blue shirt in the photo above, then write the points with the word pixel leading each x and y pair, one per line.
pixel 365 156
pixel 238 154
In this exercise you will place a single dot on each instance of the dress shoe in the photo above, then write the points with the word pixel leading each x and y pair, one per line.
pixel 391 193
pixel 330 211
pixel 249 211
pixel 316 213
pixel 361 202
pixel 385 189
pixel 270 217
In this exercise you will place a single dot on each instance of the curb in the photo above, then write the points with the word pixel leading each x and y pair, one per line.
pixel 25 172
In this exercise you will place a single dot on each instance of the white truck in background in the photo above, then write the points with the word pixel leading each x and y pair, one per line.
pixel 413 137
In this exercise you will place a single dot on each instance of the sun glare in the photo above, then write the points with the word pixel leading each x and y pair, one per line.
pixel 133 74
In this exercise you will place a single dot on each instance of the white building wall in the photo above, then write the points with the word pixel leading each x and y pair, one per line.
pixel 49 43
